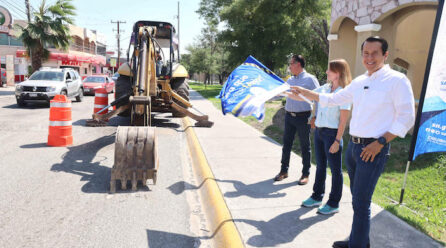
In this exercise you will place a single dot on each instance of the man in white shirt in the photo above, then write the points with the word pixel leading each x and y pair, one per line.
pixel 383 108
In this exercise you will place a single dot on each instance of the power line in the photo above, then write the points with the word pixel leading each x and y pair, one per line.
pixel 13 5
pixel 13 10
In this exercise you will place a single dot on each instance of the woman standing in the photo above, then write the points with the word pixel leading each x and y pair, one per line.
pixel 330 125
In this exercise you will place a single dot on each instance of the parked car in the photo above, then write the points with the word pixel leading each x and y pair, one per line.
pixel 3 75
pixel 98 81
pixel 45 83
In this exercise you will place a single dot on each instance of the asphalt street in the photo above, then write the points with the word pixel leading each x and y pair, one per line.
pixel 59 196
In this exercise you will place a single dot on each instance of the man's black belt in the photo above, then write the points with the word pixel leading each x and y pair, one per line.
pixel 294 114
pixel 363 141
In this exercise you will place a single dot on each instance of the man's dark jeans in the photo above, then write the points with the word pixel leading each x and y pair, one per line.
pixel 363 178
pixel 323 139
pixel 299 124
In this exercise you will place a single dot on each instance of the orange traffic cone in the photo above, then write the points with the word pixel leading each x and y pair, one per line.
pixel 60 129
pixel 100 101
pixel 114 94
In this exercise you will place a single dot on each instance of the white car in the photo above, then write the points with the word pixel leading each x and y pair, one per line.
pixel 45 83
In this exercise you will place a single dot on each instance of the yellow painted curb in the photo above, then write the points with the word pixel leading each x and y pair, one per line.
pixel 225 233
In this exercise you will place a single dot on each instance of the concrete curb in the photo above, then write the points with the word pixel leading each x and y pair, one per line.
pixel 225 232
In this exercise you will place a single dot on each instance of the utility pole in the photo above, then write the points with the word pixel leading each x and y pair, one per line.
pixel 28 13
pixel 118 37
pixel 178 27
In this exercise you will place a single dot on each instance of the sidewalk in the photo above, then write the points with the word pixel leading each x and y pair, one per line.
pixel 267 213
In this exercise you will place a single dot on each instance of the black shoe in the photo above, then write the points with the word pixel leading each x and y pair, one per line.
pixel 303 180
pixel 340 244
pixel 344 244
pixel 281 176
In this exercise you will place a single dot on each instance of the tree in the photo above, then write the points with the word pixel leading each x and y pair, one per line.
pixel 48 28
pixel 208 55
pixel 269 30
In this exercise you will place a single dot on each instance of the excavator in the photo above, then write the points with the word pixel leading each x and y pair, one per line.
pixel 151 81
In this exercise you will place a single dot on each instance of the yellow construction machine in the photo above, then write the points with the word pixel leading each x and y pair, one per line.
pixel 152 80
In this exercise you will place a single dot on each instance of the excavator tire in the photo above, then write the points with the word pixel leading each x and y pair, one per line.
pixel 123 86
pixel 136 157
pixel 181 87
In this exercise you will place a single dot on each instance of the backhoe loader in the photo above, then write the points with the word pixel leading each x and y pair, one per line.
pixel 152 80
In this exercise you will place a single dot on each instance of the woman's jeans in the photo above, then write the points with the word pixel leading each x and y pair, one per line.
pixel 323 139
pixel 363 178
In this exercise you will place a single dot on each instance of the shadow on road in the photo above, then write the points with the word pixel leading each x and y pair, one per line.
pixel 181 186
pixel 262 189
pixel 27 106
pixel 79 161
pixel 36 145
pixel 171 240
pixel 283 228
pixel 6 93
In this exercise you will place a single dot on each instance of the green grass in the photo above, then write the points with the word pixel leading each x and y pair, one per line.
pixel 425 195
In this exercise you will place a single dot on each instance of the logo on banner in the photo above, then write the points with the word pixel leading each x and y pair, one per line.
pixel 248 88
pixel 431 136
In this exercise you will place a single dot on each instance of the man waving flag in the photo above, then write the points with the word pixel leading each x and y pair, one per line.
pixel 248 88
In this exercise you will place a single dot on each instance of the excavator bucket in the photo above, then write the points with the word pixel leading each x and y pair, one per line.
pixel 136 158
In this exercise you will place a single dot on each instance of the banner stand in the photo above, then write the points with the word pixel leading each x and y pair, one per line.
pixel 413 151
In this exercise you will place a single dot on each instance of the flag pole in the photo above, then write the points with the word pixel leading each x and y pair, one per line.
pixel 404 181
pixel 422 96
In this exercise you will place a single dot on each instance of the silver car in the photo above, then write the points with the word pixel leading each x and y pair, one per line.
pixel 45 83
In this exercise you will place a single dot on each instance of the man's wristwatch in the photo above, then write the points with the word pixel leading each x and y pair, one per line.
pixel 382 140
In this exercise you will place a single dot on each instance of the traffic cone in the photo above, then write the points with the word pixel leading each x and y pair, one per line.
pixel 60 129
pixel 114 106
pixel 100 100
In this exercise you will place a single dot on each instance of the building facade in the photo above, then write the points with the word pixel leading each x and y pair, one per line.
pixel 406 24
pixel 86 52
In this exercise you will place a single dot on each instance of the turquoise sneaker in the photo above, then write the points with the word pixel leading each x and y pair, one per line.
pixel 310 202
pixel 327 210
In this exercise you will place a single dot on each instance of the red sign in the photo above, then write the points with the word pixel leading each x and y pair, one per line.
pixel 71 62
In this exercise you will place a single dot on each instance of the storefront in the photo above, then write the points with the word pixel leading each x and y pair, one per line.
pixel 86 52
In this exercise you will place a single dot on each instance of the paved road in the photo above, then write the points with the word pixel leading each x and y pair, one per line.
pixel 58 196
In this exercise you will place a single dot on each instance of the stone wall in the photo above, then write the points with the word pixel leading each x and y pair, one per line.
pixel 365 11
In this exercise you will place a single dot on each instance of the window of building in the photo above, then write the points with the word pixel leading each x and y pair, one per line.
pixel 400 65
pixel 85 70
pixel 4 39
pixel 15 41
pixel 93 69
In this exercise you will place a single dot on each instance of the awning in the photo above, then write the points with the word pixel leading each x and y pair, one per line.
pixel 91 59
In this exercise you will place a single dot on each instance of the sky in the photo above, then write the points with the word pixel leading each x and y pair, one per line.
pixel 98 14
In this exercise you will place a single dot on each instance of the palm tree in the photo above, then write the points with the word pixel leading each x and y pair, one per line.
pixel 49 27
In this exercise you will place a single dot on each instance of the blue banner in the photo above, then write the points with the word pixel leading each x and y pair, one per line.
pixel 431 134
pixel 248 88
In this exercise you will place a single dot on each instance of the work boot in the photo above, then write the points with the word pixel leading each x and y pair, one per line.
pixel 303 180
pixel 281 176
pixel 344 244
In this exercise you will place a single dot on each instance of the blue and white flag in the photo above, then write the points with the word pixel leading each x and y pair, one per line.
pixel 248 88
pixel 431 132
